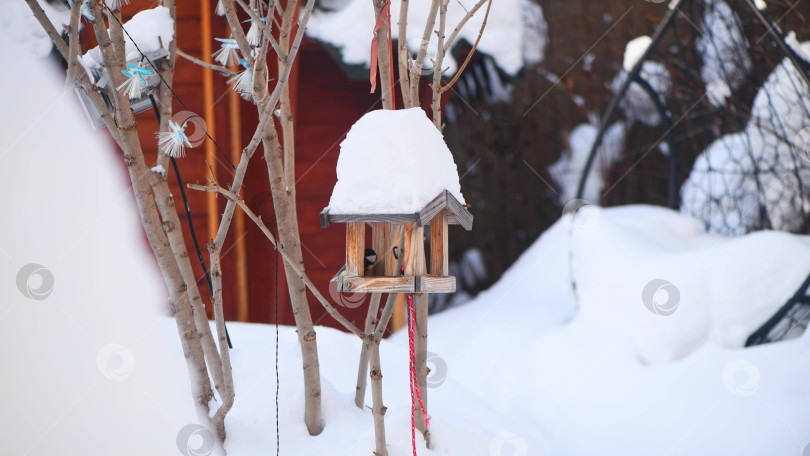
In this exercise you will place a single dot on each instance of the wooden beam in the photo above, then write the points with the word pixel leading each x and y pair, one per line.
pixel 401 284
pixel 211 204
pixel 439 263
pixel 435 284
pixel 239 240
pixel 355 248
pixel 457 214
pixel 381 243
pixel 420 304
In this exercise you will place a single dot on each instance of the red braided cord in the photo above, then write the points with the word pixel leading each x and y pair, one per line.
pixel 414 384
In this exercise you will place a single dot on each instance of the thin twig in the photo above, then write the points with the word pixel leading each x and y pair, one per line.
pixel 263 24
pixel 461 24
pixel 205 64
pixel 257 220
pixel 447 86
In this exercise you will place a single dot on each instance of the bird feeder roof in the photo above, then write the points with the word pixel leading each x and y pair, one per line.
pixel 394 166
pixel 456 213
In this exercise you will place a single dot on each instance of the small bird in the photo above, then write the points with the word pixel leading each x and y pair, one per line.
pixel 368 262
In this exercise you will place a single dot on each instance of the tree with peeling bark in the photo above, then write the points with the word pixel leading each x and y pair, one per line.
pixel 277 29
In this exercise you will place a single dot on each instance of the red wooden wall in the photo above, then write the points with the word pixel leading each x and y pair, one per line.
pixel 326 103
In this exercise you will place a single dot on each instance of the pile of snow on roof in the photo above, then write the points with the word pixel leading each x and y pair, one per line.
pixel 393 162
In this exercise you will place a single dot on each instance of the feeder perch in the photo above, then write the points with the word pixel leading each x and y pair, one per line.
pixel 442 211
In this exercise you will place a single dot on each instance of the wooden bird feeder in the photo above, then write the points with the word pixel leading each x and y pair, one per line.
pixel 386 230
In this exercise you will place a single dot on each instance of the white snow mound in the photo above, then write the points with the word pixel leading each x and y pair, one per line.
pixel 151 29
pixel 516 31
pixel 392 162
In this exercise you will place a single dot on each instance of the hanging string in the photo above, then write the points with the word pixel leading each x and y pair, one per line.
pixel 416 395
pixel 278 434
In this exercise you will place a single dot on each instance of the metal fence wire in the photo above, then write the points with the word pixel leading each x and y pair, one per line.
pixel 733 119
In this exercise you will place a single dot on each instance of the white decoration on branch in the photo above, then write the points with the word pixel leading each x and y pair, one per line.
pixel 135 83
pixel 228 53
pixel 173 143
pixel 254 34
pixel 242 83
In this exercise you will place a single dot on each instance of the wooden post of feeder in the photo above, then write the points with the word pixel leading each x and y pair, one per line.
pixel 438 246
pixel 418 267
pixel 355 248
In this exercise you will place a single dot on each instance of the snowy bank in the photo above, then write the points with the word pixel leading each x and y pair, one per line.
pixel 88 367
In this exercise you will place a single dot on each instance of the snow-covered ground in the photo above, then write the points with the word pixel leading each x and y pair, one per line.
pixel 645 358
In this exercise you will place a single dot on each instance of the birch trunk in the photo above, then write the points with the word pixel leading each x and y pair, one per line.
pixel 288 235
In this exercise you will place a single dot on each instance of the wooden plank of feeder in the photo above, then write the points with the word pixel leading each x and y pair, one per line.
pixel 435 284
pixel 381 243
pixel 402 284
pixel 398 319
pixel 355 248
pixel 438 246
pixel 460 213
pixel 352 284
pixel 328 218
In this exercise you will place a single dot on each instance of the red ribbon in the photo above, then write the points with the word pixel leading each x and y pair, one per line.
pixel 416 395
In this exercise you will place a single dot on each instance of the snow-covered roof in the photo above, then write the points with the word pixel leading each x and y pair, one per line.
pixel 152 29
pixel 393 162
pixel 515 34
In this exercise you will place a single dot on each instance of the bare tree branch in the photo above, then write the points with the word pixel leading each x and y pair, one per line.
pixel 73 44
pixel 403 55
pixel 461 24
pixel 266 231
pixel 447 86
pixel 201 63
pixel 416 71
